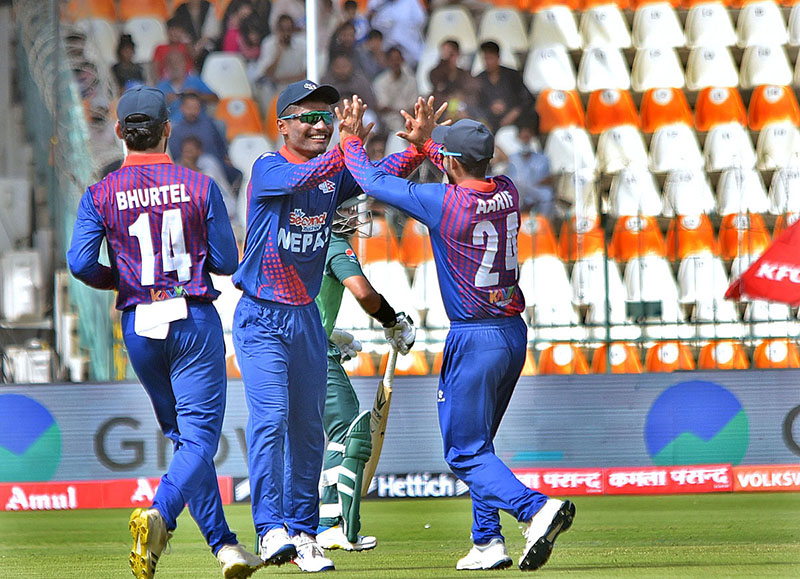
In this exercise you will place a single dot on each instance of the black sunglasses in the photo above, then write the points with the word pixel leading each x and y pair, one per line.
pixel 312 117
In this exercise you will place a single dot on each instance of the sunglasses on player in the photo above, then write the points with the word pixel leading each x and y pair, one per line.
pixel 312 117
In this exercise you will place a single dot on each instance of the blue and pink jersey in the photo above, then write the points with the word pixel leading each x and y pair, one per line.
pixel 473 228
pixel 290 207
pixel 166 227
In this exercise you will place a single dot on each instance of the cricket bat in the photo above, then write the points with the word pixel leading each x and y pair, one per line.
pixel 378 419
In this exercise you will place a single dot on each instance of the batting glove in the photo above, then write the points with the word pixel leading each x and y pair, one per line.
pixel 401 334
pixel 347 344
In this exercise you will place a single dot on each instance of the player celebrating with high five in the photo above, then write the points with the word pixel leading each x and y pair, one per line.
pixel 473 223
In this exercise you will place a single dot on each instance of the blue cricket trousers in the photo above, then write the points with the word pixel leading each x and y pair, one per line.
pixel 282 352
pixel 482 363
pixel 184 375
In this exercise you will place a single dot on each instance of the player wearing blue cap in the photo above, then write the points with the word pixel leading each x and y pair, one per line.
pixel 277 331
pixel 473 223
pixel 167 229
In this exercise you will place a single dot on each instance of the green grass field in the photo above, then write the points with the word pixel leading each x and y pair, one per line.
pixel 715 535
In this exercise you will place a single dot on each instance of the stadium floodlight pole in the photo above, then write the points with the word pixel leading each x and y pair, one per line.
pixel 311 41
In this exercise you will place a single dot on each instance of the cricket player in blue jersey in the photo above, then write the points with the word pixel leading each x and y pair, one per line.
pixel 280 343
pixel 167 229
pixel 473 223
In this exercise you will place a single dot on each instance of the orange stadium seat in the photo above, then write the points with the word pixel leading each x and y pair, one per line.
pixel 89 9
pixel 240 115
pixel 381 246
pixel 232 366
pixel 361 365
pixel 535 238
pixel 637 3
pixel 559 109
pixel 529 369
pixel 776 353
pixel 743 234
pixel 580 238
pixel 412 364
pixel 624 359
pixel 610 108
pixel 771 104
pixel 563 359
pixel 271 121
pixel 143 9
pixel 621 4
pixel 723 355
pixel 664 106
pixel 669 357
pixel 690 235
pixel 718 106
pixel 636 236
pixel 415 245
pixel 537 5
pixel 783 221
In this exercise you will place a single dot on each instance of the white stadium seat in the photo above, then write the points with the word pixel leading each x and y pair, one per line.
pixel 504 26
pixel 765 65
pixel 604 25
pixel 427 62
pixel 452 22
pixel 589 281
pixel 784 191
pixel 741 191
pixel 649 278
pixel 675 147
pixel 427 296
pixel 709 24
pixel 688 193
pixel 657 26
pixel 620 147
pixel 794 26
pixel 728 145
pixel 549 67
pixel 656 68
pixel 101 40
pixel 761 24
pixel 711 66
pixel 717 319
pixel 634 192
pixel 769 320
pixel 555 25
pixel 602 67
pixel 569 150
pixel 245 149
pixel 579 189
pixel 226 74
pixel 701 278
pixel 778 146
pixel 147 34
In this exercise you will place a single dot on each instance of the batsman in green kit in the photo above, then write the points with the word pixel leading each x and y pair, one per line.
pixel 347 430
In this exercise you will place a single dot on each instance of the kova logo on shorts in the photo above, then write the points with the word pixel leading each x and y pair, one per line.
pixel 696 422
pixel 30 440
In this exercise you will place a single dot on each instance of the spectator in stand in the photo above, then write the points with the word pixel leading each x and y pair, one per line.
pixel 344 41
pixel 178 82
pixel 395 90
pixel 178 39
pixel 294 9
pixel 360 22
pixel 126 71
pixel 199 19
pixel 250 38
pixel 84 69
pixel 502 95
pixel 448 80
pixel 371 56
pixel 349 81
pixel 282 60
pixel 193 157
pixel 402 23
pixel 231 40
pixel 530 171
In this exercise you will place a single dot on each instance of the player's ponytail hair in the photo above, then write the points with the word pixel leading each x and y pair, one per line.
pixel 143 137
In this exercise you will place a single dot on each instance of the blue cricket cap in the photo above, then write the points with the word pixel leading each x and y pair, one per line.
pixel 470 138
pixel 305 89
pixel 142 100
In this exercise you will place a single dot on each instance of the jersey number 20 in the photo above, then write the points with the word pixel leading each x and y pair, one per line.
pixel 173 246
pixel 485 277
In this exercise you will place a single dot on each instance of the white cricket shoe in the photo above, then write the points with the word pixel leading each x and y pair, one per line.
pixel 334 538
pixel 276 547
pixel 149 532
pixel 236 562
pixel 310 557
pixel 492 555
pixel 553 518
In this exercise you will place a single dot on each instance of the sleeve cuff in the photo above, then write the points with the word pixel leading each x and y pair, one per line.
pixel 430 147
pixel 350 139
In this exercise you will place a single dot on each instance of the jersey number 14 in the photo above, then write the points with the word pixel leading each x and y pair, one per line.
pixel 173 247
pixel 485 277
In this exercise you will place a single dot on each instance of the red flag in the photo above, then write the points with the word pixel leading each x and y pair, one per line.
pixel 775 276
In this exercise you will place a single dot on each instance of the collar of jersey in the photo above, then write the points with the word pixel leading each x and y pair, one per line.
pixel 478 185
pixel 291 157
pixel 134 159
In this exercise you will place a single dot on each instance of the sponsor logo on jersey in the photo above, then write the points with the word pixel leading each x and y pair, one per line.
pixel 351 254
pixel 167 294
pixel 298 218
pixel 327 186
pixel 502 296
pixel 498 202
pixel 302 242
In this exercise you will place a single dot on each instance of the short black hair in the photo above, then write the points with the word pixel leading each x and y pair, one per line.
pixel 394 49
pixel 374 33
pixel 490 46
pixel 142 138
pixel 350 4
pixel 477 170
pixel 453 43
pixel 192 139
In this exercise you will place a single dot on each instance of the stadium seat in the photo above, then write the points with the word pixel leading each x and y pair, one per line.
pixel 549 67
pixel 624 359
pixel 225 73
pixel 711 66
pixel 634 192
pixel 783 221
pixel 271 120
pixel 101 40
pixel 687 193
pixel 147 34
pixel 427 297
pixel 771 104
pixel 709 24
pixel 352 316
pixel 723 355
pixel 784 191
pixel 765 65
pixel 245 149
pixel 701 279
pixel 240 115
pixel 664 106
pixel 675 147
pixel 544 281
pixel 535 238
pixel 690 235
pixel 669 357
pixel 581 238
pixel 75 10
pixel 609 108
pixel 656 68
pixel 604 25
pixel 742 234
pixel 589 281
pixel 390 279
pixel 570 150
pixel 602 67
pixel 728 146
pixel 558 109
pixel 741 191
pixel 636 237
pixel 504 26
pixel 794 26
pixel 769 320
pixel 579 190
pixel 143 9
pixel 620 147
pixel 452 22
pixel 657 26
pixel 562 359
pixel 716 319
pixel 555 25
pixel 761 24
pixel 232 365
pixel 529 368
pixel 650 278
pixel 778 146
pixel 428 60
pixel 718 106
pixel 361 365
pixel 415 244
pixel 412 364
pixel 507 140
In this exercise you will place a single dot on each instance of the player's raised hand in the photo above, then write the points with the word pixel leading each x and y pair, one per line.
pixel 351 119
pixel 420 126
